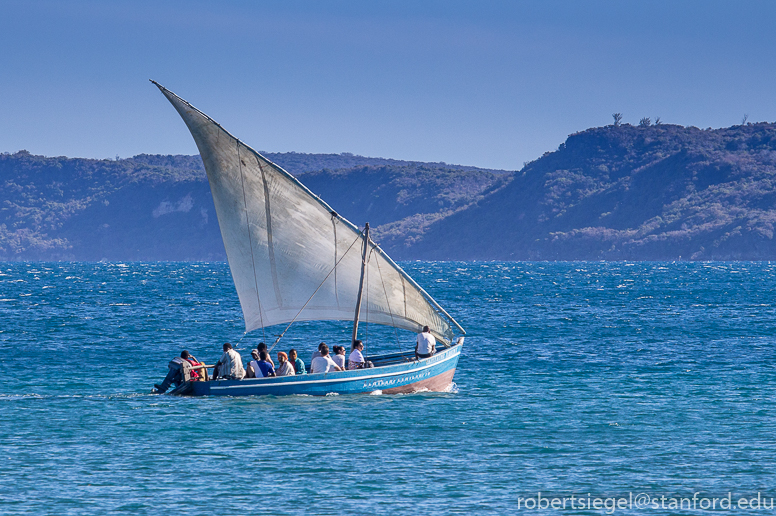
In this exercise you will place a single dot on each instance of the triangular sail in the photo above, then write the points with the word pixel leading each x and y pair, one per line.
pixel 291 256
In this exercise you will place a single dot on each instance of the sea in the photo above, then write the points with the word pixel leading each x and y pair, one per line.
pixel 583 388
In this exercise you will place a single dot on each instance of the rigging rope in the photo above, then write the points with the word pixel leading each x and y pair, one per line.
pixel 250 242
pixel 388 302
pixel 313 295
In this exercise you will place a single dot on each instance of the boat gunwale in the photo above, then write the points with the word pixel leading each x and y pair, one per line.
pixel 342 376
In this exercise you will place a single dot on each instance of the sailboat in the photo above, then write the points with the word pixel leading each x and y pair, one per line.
pixel 293 258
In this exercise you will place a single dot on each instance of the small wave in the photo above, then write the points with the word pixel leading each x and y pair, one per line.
pixel 452 388
pixel 32 395
pixel 376 393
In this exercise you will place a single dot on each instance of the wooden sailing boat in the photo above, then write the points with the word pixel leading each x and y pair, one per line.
pixel 293 258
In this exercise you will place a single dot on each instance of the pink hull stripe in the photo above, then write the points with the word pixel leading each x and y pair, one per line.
pixel 436 384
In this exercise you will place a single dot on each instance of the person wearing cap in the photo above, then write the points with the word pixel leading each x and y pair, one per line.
pixel 426 344
pixel 284 368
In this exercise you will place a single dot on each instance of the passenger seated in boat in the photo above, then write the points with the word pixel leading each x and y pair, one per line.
pixel 323 363
pixel 426 344
pixel 229 366
pixel 284 366
pixel 250 372
pixel 195 374
pixel 263 367
pixel 356 359
pixel 339 356
pixel 263 347
pixel 316 354
pixel 297 362
pixel 179 372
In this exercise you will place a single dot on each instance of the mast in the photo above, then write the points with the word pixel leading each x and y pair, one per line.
pixel 276 214
pixel 361 283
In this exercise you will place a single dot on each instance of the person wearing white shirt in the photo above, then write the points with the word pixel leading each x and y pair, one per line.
pixel 356 359
pixel 317 353
pixel 339 356
pixel 323 363
pixel 426 344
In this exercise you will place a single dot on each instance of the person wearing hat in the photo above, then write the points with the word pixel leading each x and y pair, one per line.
pixel 284 368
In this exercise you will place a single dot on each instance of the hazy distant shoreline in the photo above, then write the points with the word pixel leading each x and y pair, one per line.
pixel 646 193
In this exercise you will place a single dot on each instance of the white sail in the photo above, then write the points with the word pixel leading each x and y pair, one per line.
pixel 291 256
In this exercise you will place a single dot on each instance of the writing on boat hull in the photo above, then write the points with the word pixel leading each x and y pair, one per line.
pixel 401 380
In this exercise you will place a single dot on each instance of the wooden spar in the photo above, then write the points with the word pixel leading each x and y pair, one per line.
pixel 361 283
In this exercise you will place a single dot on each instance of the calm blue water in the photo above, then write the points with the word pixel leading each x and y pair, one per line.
pixel 576 378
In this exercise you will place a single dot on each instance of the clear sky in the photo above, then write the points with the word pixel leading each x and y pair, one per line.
pixel 483 83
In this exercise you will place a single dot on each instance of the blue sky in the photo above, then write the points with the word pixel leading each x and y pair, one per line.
pixel 490 84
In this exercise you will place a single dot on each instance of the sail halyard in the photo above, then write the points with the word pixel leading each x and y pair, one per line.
pixel 284 270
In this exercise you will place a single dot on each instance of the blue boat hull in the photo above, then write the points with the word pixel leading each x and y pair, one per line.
pixel 432 374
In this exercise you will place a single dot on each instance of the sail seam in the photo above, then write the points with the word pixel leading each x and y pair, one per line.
pixel 270 244
pixel 404 294
pixel 334 225
pixel 250 240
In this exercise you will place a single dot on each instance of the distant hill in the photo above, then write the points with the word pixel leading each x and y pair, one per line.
pixel 660 192
pixel 299 163
pixel 160 207
pixel 653 192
